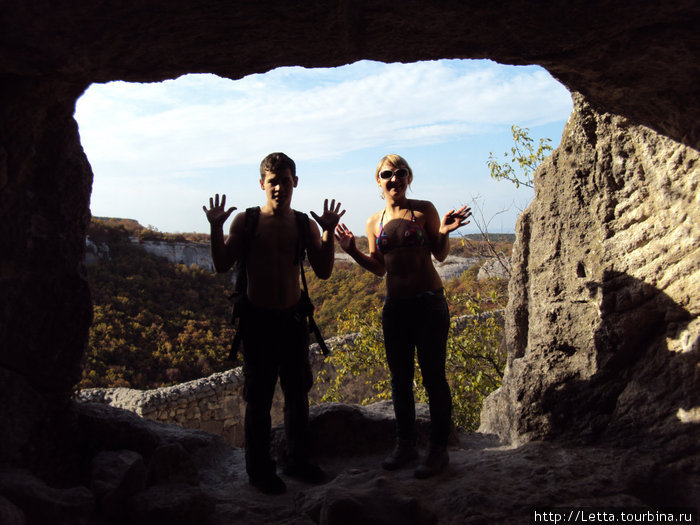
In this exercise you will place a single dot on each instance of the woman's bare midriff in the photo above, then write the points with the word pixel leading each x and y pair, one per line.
pixel 410 272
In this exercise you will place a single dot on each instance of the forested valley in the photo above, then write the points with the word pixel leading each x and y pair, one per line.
pixel 157 323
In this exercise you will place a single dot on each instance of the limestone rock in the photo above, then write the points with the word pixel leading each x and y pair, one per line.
pixel 95 251
pixel 601 324
pixel 454 266
pixel 485 482
pixel 24 407
pixel 498 268
pixel 171 463
pixel 115 477
pixel 171 504
pixel 634 68
pixel 40 502
pixel 10 514
pixel 364 497
pixel 186 253
pixel 351 430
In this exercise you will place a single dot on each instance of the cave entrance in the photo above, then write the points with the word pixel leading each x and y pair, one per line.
pixel 159 151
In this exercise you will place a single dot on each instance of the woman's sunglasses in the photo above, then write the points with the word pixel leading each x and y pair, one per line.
pixel 400 173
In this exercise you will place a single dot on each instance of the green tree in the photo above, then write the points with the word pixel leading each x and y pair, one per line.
pixel 474 367
pixel 475 362
pixel 157 323
pixel 364 357
pixel 523 159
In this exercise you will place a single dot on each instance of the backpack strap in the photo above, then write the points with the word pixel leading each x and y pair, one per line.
pixel 307 306
pixel 304 235
pixel 252 216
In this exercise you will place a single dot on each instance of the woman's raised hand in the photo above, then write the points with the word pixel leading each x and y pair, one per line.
pixel 217 212
pixel 344 237
pixel 455 219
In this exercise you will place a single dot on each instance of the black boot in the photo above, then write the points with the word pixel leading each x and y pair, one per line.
pixel 434 462
pixel 268 483
pixel 263 476
pixel 404 452
pixel 305 471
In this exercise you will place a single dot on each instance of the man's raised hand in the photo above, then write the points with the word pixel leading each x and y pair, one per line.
pixel 217 212
pixel 331 215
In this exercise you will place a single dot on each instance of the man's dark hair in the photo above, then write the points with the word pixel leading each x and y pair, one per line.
pixel 276 162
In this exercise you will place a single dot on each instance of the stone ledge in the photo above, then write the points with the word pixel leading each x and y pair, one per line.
pixel 215 403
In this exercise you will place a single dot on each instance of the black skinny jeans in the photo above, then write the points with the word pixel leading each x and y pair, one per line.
pixel 423 323
pixel 275 343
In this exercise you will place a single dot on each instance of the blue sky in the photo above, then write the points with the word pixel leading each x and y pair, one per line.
pixel 159 151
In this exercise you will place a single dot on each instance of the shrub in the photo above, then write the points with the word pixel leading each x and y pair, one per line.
pixel 474 365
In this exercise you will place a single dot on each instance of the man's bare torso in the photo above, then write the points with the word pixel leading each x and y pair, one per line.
pixel 272 265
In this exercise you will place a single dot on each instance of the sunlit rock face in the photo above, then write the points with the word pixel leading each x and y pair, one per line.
pixel 602 326
pixel 605 293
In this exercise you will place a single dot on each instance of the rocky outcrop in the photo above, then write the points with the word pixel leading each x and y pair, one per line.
pixel 95 251
pixel 496 267
pixel 454 266
pixel 186 253
pixel 602 325
pixel 143 472
pixel 189 253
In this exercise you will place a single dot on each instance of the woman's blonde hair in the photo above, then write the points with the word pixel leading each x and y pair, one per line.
pixel 398 162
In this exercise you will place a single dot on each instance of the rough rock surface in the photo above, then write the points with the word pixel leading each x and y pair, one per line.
pixel 603 321
pixel 602 324
pixel 486 482
pixel 496 267
pixel 186 253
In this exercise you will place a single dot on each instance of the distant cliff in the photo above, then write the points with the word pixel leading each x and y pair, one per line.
pixel 177 252
pixel 188 253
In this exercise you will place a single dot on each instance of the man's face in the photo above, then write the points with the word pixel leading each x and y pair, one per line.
pixel 278 187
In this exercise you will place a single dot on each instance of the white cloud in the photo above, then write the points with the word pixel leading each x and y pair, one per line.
pixel 165 140
pixel 179 128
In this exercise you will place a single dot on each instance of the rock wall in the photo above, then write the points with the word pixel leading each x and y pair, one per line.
pixel 602 326
pixel 214 404
pixel 604 293
pixel 498 267
pixel 186 253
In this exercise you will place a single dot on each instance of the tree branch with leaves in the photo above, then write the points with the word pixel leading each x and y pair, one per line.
pixel 524 157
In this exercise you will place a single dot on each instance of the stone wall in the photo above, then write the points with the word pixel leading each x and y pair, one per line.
pixel 214 403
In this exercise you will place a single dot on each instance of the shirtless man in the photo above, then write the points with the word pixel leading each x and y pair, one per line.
pixel 274 331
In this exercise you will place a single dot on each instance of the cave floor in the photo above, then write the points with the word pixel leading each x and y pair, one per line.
pixel 485 483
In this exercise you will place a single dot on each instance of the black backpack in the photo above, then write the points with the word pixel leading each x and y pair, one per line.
pixel 239 296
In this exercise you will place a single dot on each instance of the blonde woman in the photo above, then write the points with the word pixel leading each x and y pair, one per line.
pixel 403 237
